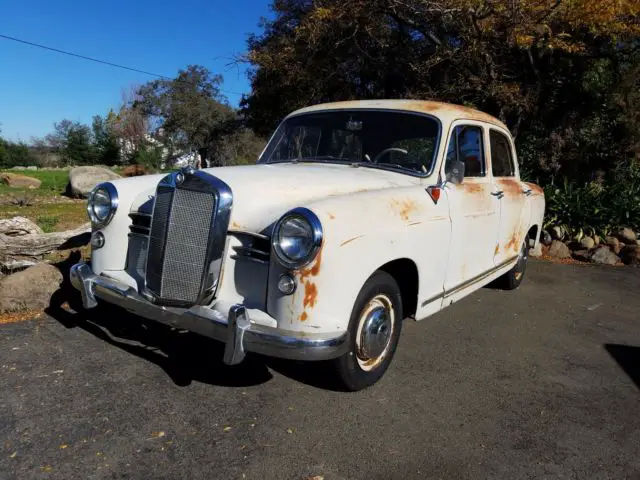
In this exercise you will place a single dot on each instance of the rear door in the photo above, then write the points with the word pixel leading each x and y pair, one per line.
pixel 509 191
pixel 473 209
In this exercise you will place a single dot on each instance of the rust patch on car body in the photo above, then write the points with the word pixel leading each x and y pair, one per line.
pixel 235 224
pixel 310 295
pixel 535 189
pixel 313 269
pixel 513 243
pixel 331 216
pixel 404 208
pixel 303 317
pixel 472 187
pixel 414 224
pixel 510 188
pixel 497 250
pixel 350 240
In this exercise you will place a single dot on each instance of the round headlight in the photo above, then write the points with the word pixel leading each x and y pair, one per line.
pixel 102 204
pixel 297 237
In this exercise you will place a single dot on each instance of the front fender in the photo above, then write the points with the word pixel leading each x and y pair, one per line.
pixel 362 232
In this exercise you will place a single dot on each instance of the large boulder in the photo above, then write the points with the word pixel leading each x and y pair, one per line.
pixel 631 255
pixel 627 236
pixel 83 179
pixel 536 251
pixel 588 243
pixel 19 181
pixel 613 243
pixel 29 289
pixel 603 255
pixel 559 250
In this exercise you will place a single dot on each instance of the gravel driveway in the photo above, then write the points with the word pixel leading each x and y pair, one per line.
pixel 541 382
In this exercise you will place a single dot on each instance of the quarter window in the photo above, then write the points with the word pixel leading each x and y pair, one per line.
pixel 501 158
pixel 466 146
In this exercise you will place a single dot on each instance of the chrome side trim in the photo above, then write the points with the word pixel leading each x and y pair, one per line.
pixel 235 329
pixel 468 283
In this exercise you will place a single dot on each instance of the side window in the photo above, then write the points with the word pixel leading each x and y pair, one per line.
pixel 466 146
pixel 501 158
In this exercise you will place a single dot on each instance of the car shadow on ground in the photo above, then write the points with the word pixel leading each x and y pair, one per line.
pixel 184 356
pixel 628 358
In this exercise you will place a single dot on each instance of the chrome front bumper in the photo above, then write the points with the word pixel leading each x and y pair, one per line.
pixel 236 329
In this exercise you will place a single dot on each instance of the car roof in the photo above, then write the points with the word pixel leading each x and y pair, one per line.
pixel 446 112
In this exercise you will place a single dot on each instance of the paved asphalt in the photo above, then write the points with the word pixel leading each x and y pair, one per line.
pixel 543 382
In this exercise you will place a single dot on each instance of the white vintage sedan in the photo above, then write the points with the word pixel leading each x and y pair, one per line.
pixel 356 216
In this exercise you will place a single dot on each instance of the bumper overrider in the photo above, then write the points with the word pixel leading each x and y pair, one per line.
pixel 235 330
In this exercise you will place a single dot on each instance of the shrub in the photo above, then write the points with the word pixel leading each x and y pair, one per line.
pixel 598 207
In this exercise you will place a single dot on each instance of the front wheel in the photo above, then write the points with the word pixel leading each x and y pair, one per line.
pixel 374 331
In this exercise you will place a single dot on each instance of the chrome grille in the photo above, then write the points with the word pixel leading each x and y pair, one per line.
pixel 187 237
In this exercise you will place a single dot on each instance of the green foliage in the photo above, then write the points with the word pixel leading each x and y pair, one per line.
pixel 596 208
pixel 15 154
pixel 47 223
pixel 190 108
pixel 73 141
pixel 105 141
pixel 148 156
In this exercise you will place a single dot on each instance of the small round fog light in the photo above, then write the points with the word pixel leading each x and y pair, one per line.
pixel 286 284
pixel 97 240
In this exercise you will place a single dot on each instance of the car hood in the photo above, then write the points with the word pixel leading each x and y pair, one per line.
pixel 262 193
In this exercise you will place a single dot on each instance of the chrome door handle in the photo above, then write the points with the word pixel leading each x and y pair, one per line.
pixel 498 194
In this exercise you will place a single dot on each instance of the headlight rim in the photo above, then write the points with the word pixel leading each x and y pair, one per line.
pixel 317 232
pixel 113 199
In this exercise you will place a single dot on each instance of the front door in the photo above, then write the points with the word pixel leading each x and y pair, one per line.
pixel 472 207
pixel 510 194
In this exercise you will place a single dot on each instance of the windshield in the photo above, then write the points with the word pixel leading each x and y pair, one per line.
pixel 384 139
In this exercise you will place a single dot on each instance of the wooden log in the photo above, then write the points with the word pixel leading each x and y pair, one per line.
pixel 35 245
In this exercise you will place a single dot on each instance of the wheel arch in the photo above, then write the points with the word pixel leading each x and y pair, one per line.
pixel 405 272
pixel 534 235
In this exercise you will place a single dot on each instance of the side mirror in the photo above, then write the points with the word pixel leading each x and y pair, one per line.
pixel 455 172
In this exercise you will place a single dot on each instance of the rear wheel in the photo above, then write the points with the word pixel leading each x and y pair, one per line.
pixel 513 278
pixel 374 331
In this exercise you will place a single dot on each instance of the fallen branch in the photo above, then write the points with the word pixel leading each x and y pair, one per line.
pixel 38 244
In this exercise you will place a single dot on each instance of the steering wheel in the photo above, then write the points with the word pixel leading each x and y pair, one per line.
pixel 389 150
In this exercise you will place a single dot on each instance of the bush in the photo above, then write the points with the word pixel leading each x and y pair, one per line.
pixel 15 154
pixel 149 157
pixel 598 207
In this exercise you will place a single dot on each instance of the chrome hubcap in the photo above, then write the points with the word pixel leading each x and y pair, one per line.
pixel 375 329
pixel 375 333
pixel 522 261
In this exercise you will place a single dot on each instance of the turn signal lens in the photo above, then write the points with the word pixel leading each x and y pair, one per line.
pixel 434 193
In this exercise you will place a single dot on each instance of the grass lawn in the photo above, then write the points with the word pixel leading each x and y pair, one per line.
pixel 54 182
pixel 46 205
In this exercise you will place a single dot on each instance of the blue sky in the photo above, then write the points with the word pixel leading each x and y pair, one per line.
pixel 38 87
